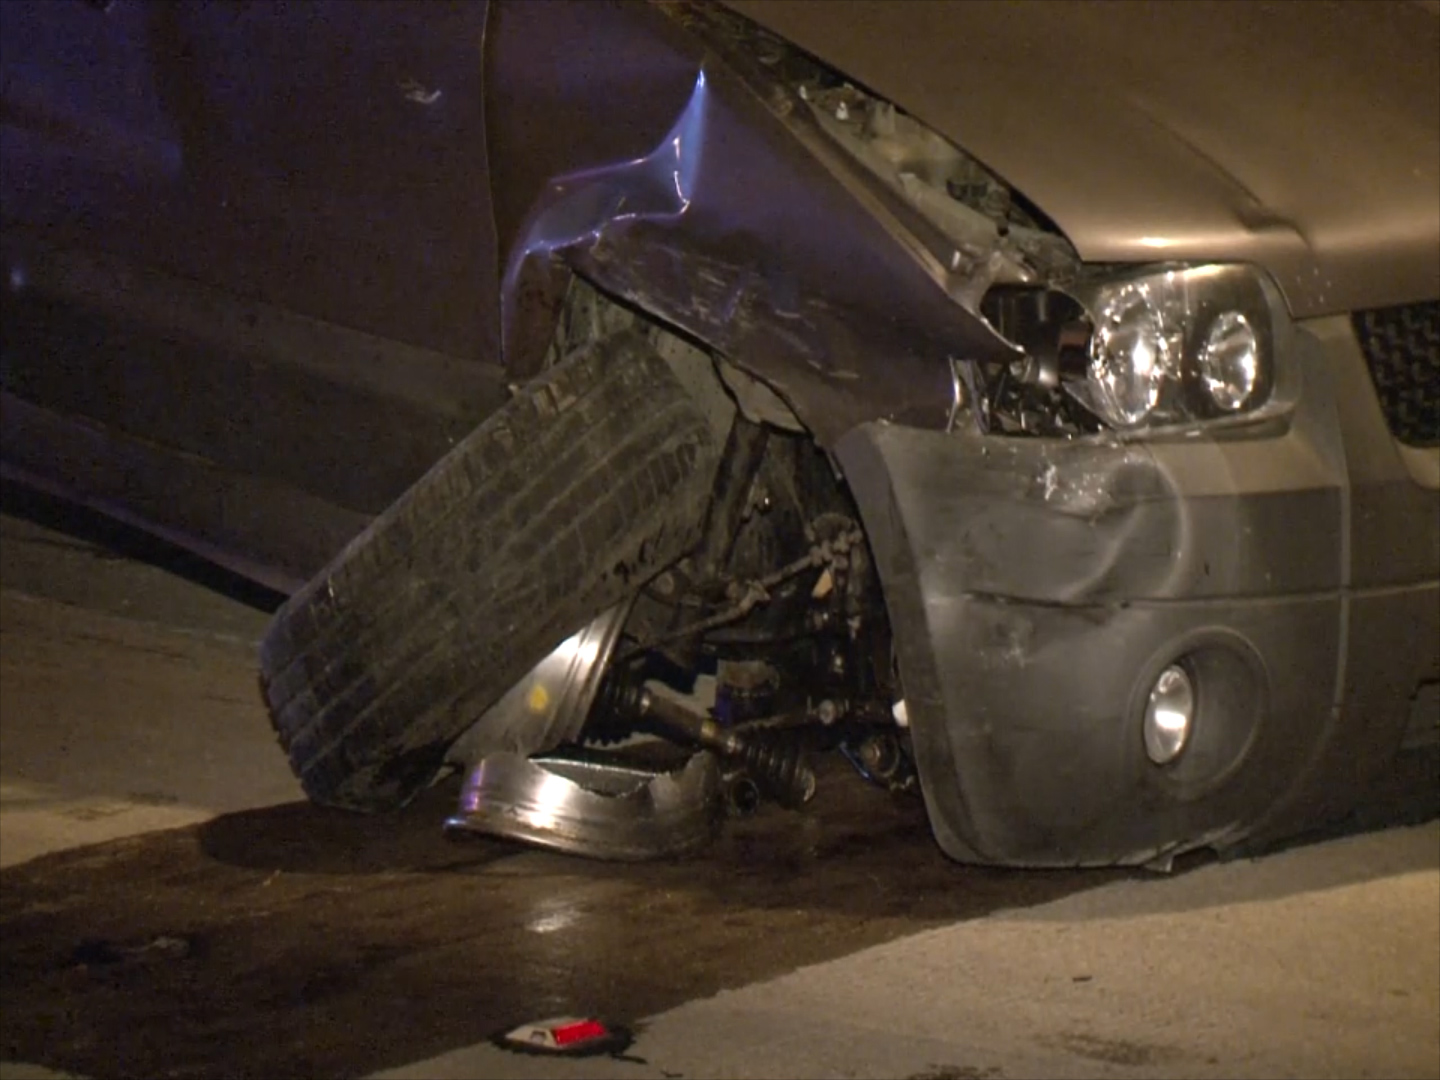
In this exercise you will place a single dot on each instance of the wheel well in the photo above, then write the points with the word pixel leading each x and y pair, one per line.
pixel 588 313
pixel 804 495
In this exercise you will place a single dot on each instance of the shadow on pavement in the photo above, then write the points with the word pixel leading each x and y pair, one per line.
pixel 299 941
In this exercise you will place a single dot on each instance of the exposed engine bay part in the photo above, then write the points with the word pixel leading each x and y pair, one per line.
pixel 991 234
pixel 593 803
pixel 883 758
pixel 1026 396
pixel 996 238
pixel 772 757
pixel 720 165
pixel 741 794
pixel 745 597
pixel 745 690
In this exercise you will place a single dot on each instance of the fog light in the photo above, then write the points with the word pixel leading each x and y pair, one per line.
pixel 1169 715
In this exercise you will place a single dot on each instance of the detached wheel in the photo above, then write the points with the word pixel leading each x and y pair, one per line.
pixel 588 483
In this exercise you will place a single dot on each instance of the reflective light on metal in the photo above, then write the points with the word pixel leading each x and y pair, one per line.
pixel 1230 361
pixel 1169 715
pixel 592 803
pixel 1129 357
pixel 558 691
pixel 901 714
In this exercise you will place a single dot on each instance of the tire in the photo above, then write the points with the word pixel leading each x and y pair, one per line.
pixel 592 480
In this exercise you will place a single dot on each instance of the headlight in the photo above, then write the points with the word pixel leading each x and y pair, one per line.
pixel 1180 344
pixel 1230 361
pixel 1129 357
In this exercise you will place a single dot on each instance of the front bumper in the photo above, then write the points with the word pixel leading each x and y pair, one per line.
pixel 1037 588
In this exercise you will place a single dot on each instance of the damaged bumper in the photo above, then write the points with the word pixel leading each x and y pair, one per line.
pixel 1038 588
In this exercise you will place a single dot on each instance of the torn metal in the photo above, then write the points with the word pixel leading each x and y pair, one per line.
pixel 815 237
pixel 592 803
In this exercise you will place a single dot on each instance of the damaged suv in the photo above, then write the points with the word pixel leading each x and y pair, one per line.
pixel 1037 403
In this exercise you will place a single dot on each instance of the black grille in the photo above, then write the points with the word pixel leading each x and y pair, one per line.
pixel 1402 347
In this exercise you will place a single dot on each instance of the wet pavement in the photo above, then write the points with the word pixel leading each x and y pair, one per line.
pixel 267 937
pixel 357 944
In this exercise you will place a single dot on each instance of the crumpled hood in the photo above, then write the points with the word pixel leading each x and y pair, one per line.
pixel 1301 136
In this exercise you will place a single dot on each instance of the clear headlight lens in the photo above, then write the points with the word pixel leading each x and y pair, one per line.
pixel 1179 344
pixel 1129 356
pixel 1230 361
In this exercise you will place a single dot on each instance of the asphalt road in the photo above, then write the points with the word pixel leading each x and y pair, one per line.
pixel 170 906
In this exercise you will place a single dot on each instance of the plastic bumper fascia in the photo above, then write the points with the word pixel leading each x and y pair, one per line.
pixel 1037 587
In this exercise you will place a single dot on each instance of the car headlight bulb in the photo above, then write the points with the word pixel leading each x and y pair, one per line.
pixel 1230 361
pixel 1129 356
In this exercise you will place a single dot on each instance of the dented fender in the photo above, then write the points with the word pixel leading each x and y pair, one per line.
pixel 705 197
